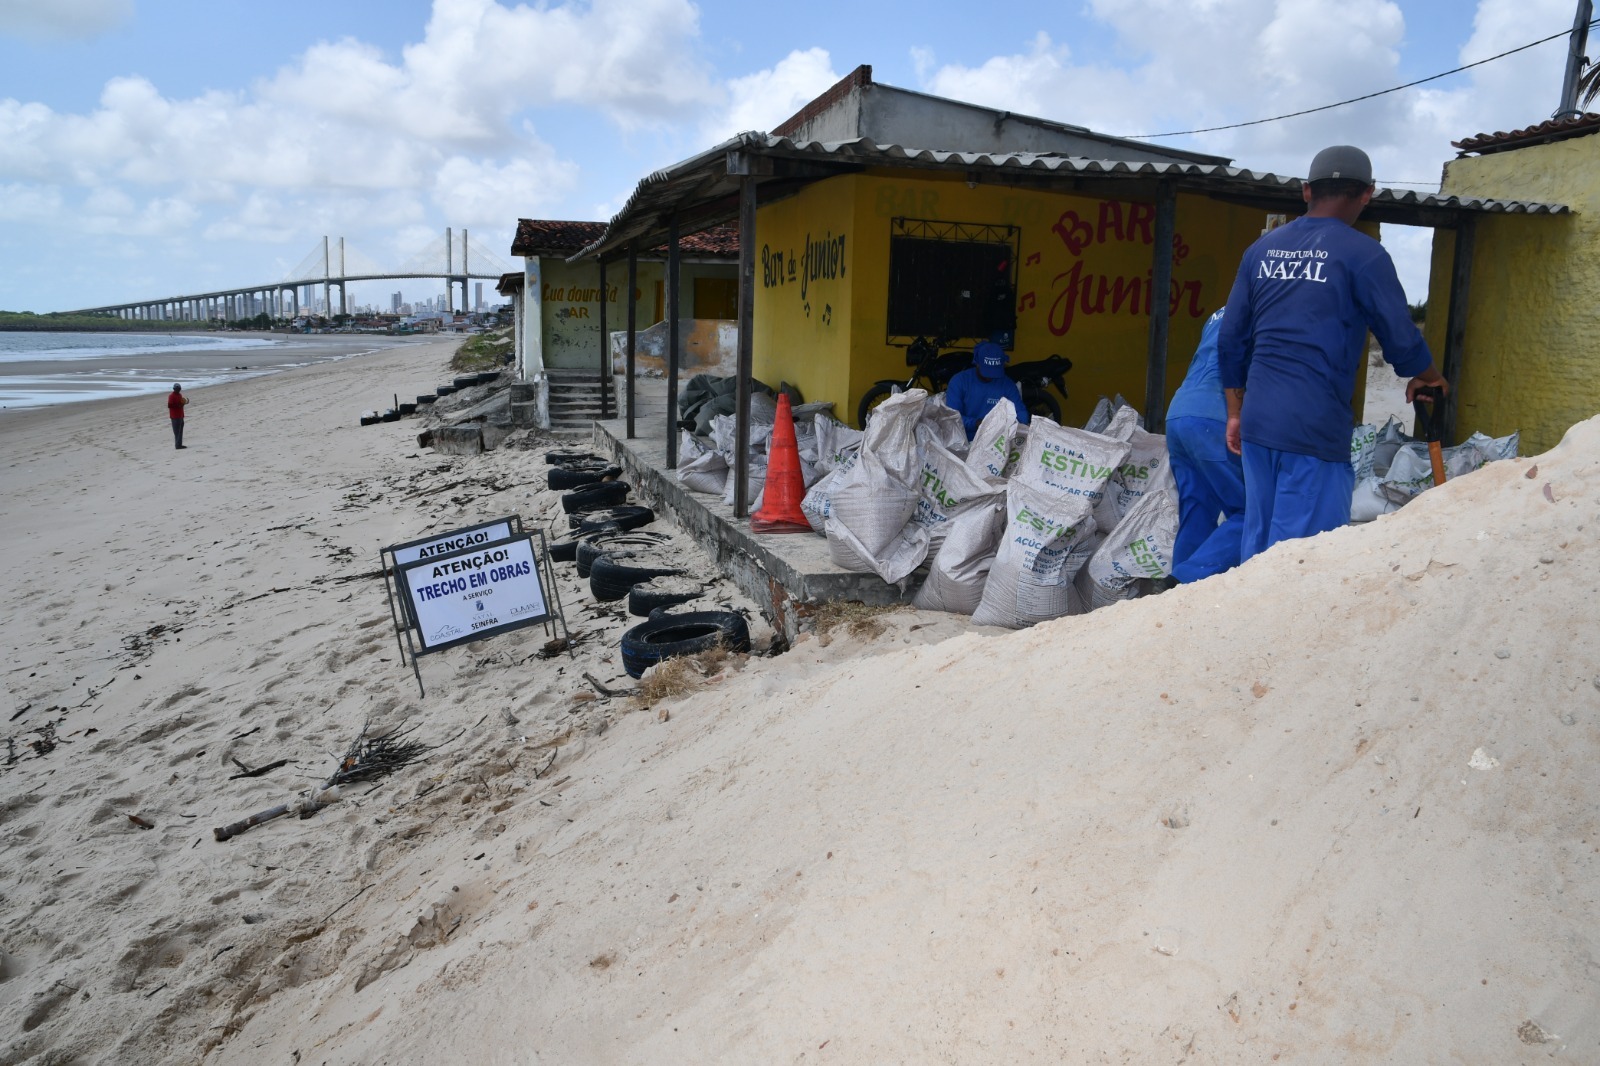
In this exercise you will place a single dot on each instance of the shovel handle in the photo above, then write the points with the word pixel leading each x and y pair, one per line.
pixel 1428 403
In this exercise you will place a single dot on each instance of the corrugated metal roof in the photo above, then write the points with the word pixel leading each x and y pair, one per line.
pixel 1556 129
pixel 702 181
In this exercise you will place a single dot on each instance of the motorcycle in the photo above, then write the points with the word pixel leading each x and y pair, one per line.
pixel 932 370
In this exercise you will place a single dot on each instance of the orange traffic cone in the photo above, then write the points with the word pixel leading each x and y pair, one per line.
pixel 780 502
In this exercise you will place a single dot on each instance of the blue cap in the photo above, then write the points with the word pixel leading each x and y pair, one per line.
pixel 990 358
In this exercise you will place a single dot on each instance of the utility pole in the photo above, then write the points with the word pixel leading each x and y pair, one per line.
pixel 1577 45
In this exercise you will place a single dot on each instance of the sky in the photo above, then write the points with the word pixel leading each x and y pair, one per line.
pixel 152 149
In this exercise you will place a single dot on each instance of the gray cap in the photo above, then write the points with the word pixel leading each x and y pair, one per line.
pixel 1344 162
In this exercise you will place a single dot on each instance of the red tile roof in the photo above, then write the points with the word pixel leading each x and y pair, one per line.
pixel 540 236
pixel 1556 129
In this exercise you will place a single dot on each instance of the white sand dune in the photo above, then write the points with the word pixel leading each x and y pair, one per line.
pixel 1339 805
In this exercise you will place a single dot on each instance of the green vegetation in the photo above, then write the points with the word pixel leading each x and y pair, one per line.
pixel 489 350
pixel 27 321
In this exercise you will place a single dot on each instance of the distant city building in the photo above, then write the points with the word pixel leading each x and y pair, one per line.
pixel 394 303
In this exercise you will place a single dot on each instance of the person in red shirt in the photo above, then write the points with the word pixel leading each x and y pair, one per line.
pixel 175 403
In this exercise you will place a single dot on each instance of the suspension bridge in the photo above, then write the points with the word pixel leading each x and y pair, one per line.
pixel 332 264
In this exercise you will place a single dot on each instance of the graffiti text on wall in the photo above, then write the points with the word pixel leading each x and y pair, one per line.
pixel 821 260
pixel 1081 292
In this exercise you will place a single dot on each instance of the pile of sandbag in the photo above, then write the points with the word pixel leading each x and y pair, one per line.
pixel 707 454
pixel 1023 524
pixel 1392 469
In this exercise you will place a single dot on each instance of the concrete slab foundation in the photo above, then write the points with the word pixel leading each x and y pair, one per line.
pixel 783 572
pixel 458 440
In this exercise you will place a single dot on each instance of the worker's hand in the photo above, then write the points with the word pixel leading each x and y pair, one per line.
pixel 1232 436
pixel 1429 378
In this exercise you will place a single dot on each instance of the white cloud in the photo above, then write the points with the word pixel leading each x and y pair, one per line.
pixel 764 99
pixel 62 19
pixel 483 193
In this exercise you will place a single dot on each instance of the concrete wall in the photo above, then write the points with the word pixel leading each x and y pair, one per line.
pixel 570 304
pixel 1530 360
pixel 1082 290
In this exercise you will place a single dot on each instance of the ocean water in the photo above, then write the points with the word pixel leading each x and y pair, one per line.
pixel 43 369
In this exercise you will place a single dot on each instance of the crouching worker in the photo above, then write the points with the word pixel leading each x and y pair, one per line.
pixel 978 388
pixel 1210 478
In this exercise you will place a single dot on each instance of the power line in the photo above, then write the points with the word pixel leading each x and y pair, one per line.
pixel 1356 99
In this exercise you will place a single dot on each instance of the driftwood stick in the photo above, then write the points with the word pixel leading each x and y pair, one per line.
pixel 228 832
pixel 598 687
pixel 258 771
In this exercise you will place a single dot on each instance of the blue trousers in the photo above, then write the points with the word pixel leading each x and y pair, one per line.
pixel 1210 486
pixel 1288 495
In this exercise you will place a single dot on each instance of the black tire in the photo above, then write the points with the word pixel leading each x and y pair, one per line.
pixel 592 546
pixel 563 551
pixel 391 415
pixel 572 458
pixel 643 598
pixel 667 636
pixel 570 477
pixel 444 390
pixel 425 399
pixel 615 573
pixel 369 420
pixel 620 519
pixel 408 409
pixel 487 377
pixel 1040 402
pixel 466 381
pixel 874 396
pixel 595 497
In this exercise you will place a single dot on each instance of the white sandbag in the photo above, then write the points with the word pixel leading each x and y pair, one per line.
pixel 1070 461
pixel 960 568
pixel 1100 418
pixel 1118 403
pixel 756 481
pixel 1362 440
pixel 706 472
pixel 947 486
pixel 997 443
pixel 816 504
pixel 945 422
pixel 1492 448
pixel 835 441
pixel 1388 442
pixel 1139 548
pixel 1411 471
pixel 805 439
pixel 724 436
pixel 1368 501
pixel 1040 553
pixel 870 505
pixel 1123 423
pixel 1143 469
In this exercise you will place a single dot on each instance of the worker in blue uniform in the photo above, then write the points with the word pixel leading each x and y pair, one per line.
pixel 1290 346
pixel 979 387
pixel 1210 478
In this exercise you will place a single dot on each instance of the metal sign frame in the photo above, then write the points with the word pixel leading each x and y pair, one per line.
pixel 553 619
pixel 388 561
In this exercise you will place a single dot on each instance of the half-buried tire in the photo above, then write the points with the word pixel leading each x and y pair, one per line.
pixel 595 497
pixel 667 636
pixel 650 596
pixel 572 458
pixel 563 551
pixel 593 545
pixel 621 519
pixel 614 574
pixel 570 477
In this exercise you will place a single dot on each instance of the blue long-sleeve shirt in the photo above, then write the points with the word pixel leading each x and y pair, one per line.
pixel 1295 333
pixel 1200 395
pixel 973 395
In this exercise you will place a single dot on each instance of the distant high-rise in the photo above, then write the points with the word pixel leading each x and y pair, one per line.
pixel 394 303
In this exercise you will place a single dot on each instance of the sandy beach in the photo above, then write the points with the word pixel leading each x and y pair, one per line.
pixel 1338 805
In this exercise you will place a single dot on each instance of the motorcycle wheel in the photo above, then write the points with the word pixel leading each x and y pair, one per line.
pixel 874 396
pixel 1040 402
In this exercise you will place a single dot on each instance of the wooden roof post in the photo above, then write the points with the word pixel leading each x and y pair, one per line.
pixel 739 164
pixel 1155 380
pixel 605 346
pixel 1456 325
pixel 633 308
pixel 672 344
